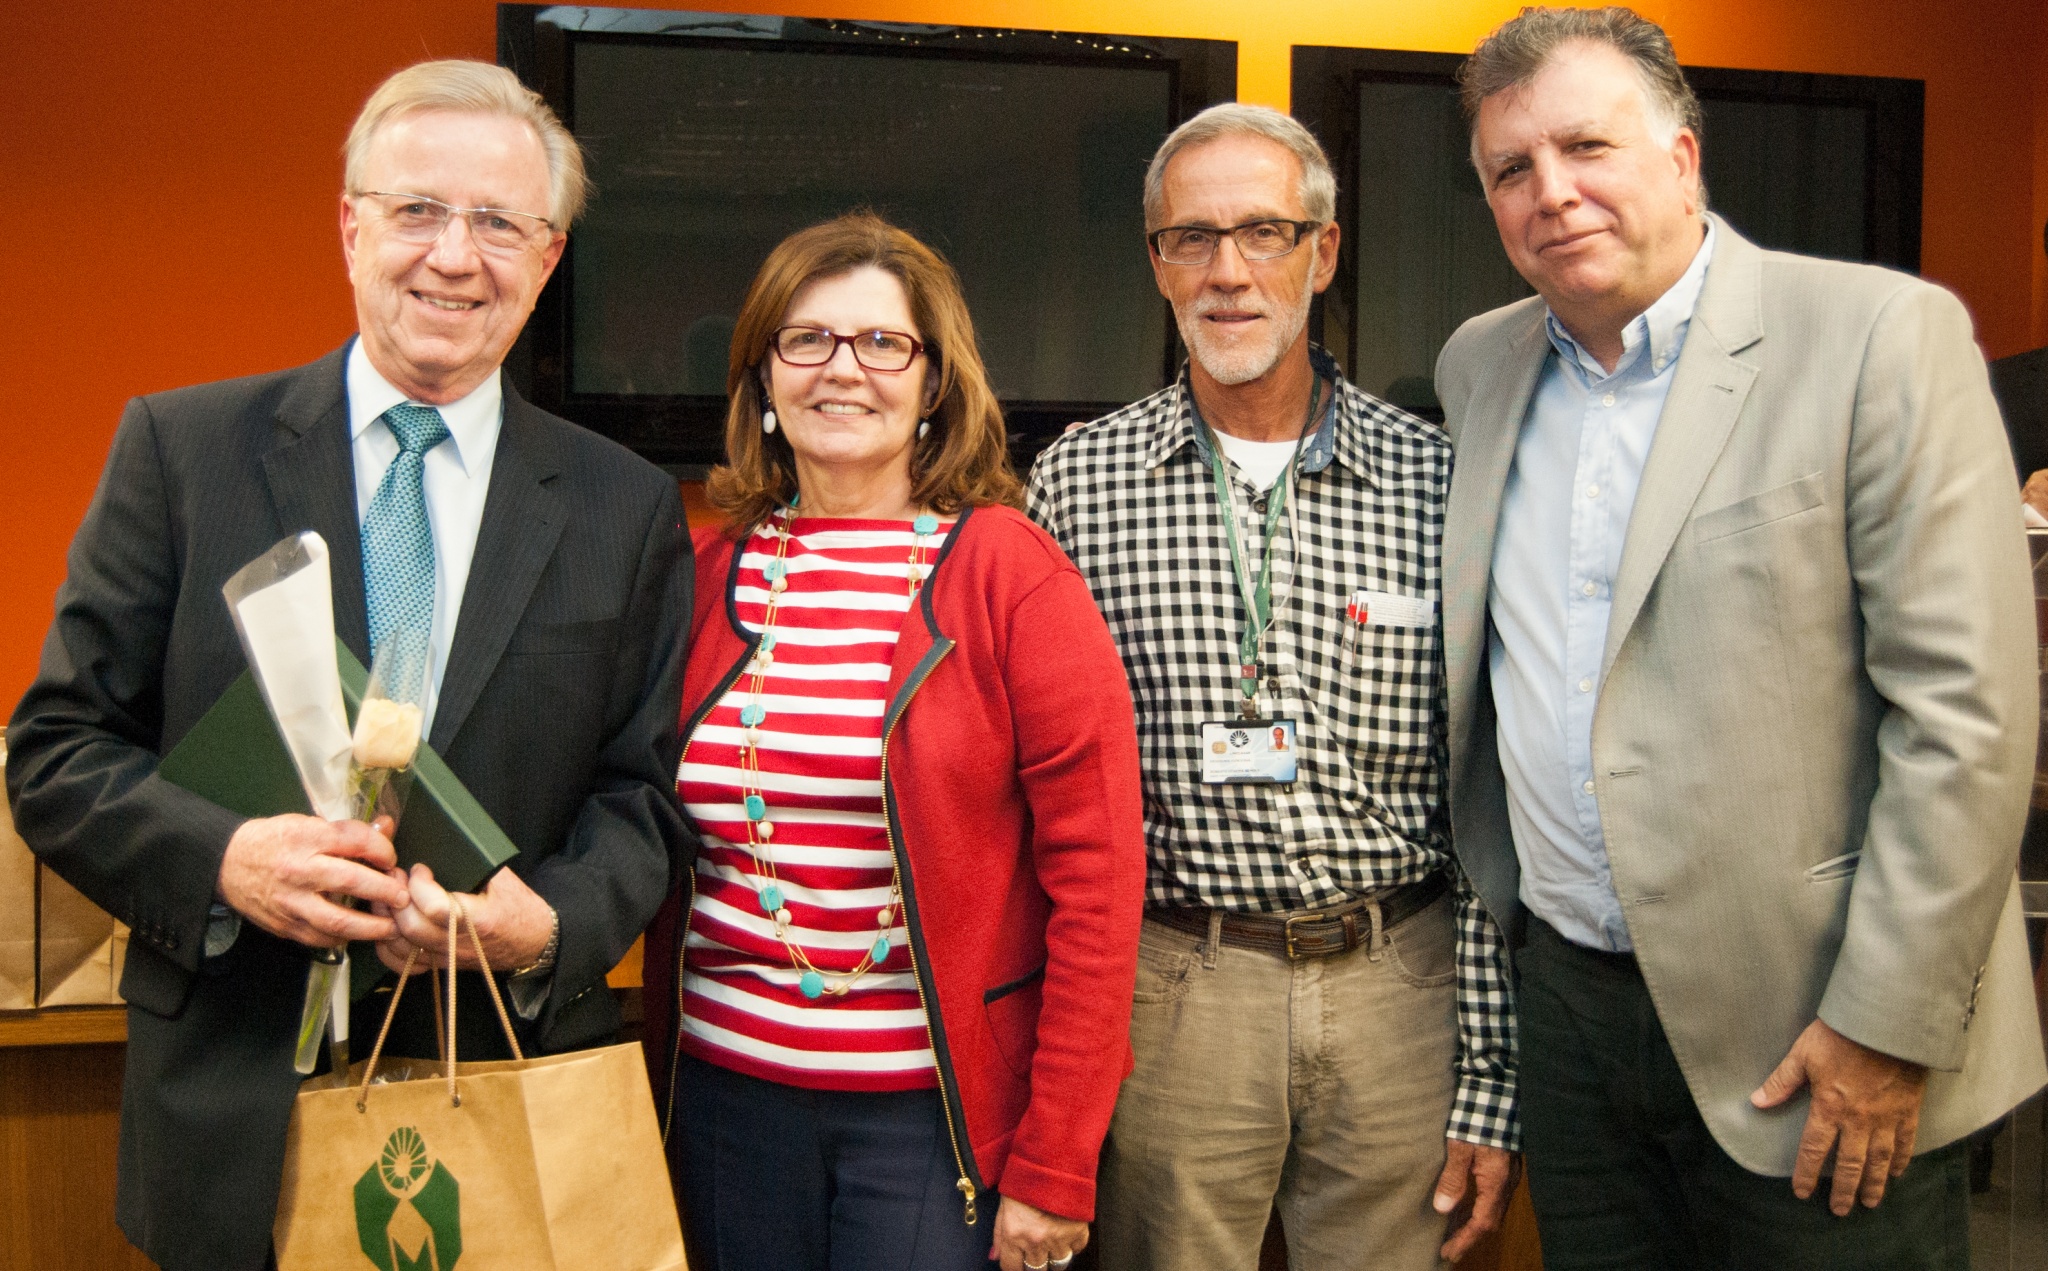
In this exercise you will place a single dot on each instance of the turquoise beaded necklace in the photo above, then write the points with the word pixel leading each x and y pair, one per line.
pixel 812 981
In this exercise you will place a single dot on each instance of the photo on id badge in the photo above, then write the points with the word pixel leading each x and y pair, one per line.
pixel 1369 609
pixel 1248 750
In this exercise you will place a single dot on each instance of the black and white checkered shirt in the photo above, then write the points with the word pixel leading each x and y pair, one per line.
pixel 1132 499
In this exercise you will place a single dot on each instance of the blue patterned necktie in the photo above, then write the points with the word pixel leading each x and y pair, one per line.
pixel 398 549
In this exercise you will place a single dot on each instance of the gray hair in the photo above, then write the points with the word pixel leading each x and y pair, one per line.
pixel 477 88
pixel 1318 189
pixel 1522 46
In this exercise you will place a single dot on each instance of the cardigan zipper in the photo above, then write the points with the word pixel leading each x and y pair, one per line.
pixel 675 1059
pixel 919 965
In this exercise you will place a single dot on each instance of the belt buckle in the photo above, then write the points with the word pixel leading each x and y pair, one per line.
pixel 1345 941
pixel 1287 931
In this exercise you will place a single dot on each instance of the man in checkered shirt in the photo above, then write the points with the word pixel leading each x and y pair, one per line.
pixel 1323 1017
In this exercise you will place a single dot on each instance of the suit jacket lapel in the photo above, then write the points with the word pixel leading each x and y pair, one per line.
pixel 522 521
pixel 1485 453
pixel 312 478
pixel 1708 390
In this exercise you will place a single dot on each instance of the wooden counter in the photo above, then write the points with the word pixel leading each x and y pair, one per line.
pixel 77 1026
pixel 60 1115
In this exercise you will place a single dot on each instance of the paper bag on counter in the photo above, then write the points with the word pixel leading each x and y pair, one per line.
pixel 17 909
pixel 81 949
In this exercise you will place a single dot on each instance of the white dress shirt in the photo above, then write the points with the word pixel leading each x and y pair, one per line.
pixel 456 479
pixel 1563 521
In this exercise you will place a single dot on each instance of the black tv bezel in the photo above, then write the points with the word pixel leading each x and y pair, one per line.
pixel 685 433
pixel 1325 88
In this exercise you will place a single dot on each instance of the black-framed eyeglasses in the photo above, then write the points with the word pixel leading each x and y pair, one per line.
pixel 415 218
pixel 875 350
pixel 1256 240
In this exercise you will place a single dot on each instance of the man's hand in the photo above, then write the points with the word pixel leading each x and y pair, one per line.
pixel 279 872
pixel 1028 1237
pixel 1493 1170
pixel 2035 492
pixel 511 918
pixel 1866 1106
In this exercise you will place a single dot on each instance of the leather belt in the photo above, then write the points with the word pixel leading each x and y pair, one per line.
pixel 1318 933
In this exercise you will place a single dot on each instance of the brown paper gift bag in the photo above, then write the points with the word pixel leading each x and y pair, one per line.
pixel 17 909
pixel 77 950
pixel 547 1164
pixel 81 949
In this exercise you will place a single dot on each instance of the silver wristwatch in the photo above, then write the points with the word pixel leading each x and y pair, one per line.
pixel 546 961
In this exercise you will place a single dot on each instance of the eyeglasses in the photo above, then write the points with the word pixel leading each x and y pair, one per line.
pixel 1256 240
pixel 415 218
pixel 815 346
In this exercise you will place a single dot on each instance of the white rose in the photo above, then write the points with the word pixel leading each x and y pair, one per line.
pixel 387 734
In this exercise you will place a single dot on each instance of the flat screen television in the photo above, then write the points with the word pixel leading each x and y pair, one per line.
pixel 1828 165
pixel 1019 155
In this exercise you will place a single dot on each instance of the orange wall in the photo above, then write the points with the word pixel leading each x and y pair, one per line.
pixel 171 171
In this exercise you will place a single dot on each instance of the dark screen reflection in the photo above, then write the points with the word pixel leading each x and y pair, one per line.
pixel 1788 175
pixel 1026 177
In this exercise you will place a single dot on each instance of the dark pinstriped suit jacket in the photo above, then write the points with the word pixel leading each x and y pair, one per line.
pixel 558 709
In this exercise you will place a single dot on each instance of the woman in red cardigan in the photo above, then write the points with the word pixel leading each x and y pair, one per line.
pixel 893 989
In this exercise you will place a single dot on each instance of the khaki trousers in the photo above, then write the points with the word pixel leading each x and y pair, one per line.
pixel 1322 1086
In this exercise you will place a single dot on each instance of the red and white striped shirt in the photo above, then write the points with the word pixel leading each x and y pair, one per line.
pixel 820 759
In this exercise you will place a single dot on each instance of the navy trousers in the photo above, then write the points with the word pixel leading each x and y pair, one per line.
pixel 779 1178
pixel 1625 1175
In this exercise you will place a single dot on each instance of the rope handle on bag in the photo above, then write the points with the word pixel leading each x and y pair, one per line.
pixel 458 914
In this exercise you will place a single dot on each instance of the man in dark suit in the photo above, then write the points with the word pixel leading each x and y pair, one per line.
pixel 548 568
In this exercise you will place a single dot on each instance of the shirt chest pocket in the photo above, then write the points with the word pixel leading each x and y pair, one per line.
pixel 1384 660
pixel 1389 682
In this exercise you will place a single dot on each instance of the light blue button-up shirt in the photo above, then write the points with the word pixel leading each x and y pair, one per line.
pixel 1563 520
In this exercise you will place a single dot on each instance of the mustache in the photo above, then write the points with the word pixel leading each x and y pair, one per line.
pixel 1208 304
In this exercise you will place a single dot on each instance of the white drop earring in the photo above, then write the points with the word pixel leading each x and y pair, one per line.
pixel 924 429
pixel 768 422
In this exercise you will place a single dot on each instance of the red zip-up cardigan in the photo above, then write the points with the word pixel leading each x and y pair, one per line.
pixel 1010 788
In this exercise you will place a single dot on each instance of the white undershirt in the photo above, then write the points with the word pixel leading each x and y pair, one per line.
pixel 456 479
pixel 1261 462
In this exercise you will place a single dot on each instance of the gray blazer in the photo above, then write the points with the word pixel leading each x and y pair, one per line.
pixel 1815 734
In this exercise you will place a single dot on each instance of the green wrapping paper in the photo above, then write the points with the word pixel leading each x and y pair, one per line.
pixel 234 757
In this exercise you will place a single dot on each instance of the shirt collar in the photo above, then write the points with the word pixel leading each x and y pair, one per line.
pixel 1660 328
pixel 472 421
pixel 1180 425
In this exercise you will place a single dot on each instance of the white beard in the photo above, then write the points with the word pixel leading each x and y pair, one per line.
pixel 1232 363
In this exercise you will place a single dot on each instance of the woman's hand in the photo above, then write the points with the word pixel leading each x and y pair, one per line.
pixel 1027 1237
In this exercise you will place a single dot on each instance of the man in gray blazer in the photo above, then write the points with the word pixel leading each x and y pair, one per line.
pixel 549 570
pixel 1739 645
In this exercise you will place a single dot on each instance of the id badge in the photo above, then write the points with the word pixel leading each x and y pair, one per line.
pixel 1248 752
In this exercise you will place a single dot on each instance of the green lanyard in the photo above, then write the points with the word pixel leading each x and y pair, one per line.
pixel 1257 594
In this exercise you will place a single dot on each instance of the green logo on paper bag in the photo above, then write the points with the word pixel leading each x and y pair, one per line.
pixel 408 1208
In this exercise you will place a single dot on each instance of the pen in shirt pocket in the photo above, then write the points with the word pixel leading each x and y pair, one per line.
pixel 1355 615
